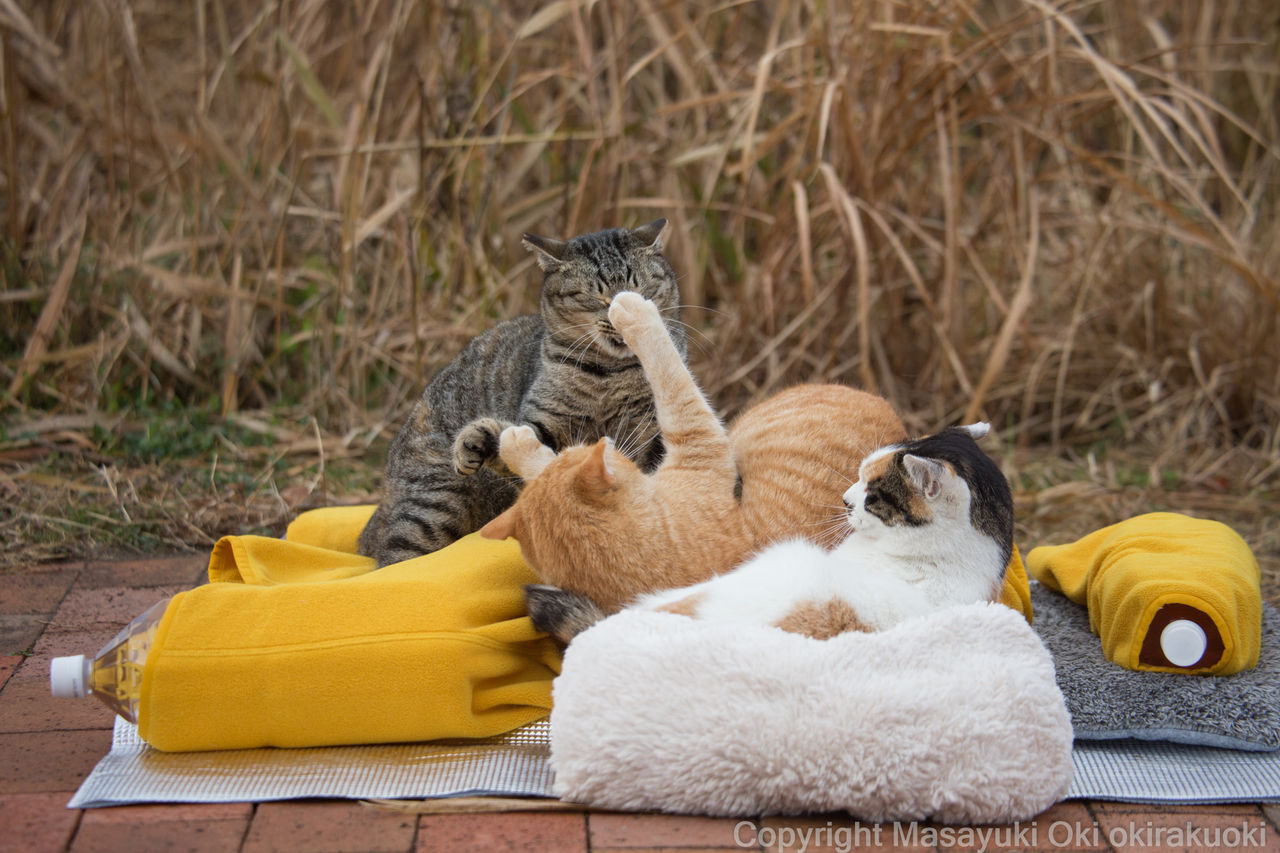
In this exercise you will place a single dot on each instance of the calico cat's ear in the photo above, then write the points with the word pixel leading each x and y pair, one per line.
pixel 597 472
pixel 651 235
pixel 502 527
pixel 926 474
pixel 550 252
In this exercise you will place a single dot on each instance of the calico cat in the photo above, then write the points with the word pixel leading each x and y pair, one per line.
pixel 930 526
pixel 565 372
pixel 593 524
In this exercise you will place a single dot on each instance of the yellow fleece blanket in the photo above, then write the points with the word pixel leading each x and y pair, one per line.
pixel 1133 574
pixel 299 642
pixel 1016 592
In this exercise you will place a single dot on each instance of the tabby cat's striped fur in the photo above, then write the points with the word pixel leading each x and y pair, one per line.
pixel 594 525
pixel 566 373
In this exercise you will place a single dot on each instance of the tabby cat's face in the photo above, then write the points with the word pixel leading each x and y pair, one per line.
pixel 582 275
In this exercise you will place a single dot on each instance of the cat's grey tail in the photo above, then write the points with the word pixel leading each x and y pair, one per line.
pixel 560 613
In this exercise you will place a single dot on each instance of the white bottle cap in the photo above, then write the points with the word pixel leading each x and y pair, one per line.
pixel 1183 642
pixel 69 676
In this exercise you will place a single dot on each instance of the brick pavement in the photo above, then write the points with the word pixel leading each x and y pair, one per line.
pixel 48 746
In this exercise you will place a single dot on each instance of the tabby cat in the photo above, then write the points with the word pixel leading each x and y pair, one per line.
pixel 592 523
pixel 931 526
pixel 565 372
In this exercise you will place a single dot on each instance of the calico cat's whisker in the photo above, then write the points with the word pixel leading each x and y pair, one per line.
pixel 841 475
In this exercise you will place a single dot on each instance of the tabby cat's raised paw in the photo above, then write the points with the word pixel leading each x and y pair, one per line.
pixel 476 444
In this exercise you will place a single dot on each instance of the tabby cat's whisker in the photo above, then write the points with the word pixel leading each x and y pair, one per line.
pixel 537 369
pixel 629 444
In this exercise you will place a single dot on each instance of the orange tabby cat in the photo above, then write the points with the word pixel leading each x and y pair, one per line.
pixel 592 523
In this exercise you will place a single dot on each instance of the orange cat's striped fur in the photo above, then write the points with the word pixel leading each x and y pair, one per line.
pixel 591 522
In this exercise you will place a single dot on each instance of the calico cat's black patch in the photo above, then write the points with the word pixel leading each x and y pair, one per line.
pixel 893 498
pixel 991 501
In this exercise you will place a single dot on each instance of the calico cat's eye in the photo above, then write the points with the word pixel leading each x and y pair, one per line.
pixel 873 498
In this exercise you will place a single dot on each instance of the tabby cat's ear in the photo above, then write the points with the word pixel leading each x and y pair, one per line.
pixel 501 527
pixel 651 235
pixel 550 252
pixel 596 473
pixel 926 474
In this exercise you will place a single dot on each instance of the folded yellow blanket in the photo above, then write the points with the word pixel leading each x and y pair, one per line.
pixel 300 642
pixel 1017 588
pixel 272 650
pixel 1143 574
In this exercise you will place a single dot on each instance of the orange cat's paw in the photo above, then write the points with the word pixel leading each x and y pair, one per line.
pixel 524 454
pixel 631 313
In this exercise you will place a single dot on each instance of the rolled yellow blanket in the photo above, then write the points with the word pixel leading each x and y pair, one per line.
pixel 302 643
pixel 1016 592
pixel 1155 580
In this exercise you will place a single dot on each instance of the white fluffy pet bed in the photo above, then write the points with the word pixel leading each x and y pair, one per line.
pixel 954 717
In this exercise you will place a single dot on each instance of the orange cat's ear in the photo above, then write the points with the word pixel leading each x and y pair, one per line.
pixel 597 469
pixel 502 527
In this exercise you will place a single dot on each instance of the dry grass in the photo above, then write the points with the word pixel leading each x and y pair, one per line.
pixel 1057 215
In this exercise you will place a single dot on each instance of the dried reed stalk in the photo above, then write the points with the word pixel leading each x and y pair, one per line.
pixel 313 205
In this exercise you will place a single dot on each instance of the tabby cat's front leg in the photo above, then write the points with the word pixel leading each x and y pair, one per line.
pixel 477 444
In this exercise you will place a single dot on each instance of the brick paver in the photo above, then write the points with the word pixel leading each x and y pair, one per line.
pixel 613 831
pixel 48 747
pixel 324 827
pixel 32 762
pixel 214 828
pixel 554 832
pixel 36 822
pixel 28 600
pixel 1128 828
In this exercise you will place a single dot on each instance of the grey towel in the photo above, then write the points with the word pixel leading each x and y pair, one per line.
pixel 1107 701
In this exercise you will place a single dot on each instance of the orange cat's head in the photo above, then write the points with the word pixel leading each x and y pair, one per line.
pixel 572 516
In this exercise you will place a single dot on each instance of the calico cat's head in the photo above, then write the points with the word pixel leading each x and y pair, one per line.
pixel 933 487
pixel 582 275
pixel 564 516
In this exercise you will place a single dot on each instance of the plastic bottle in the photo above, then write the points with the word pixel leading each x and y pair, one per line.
pixel 114 675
